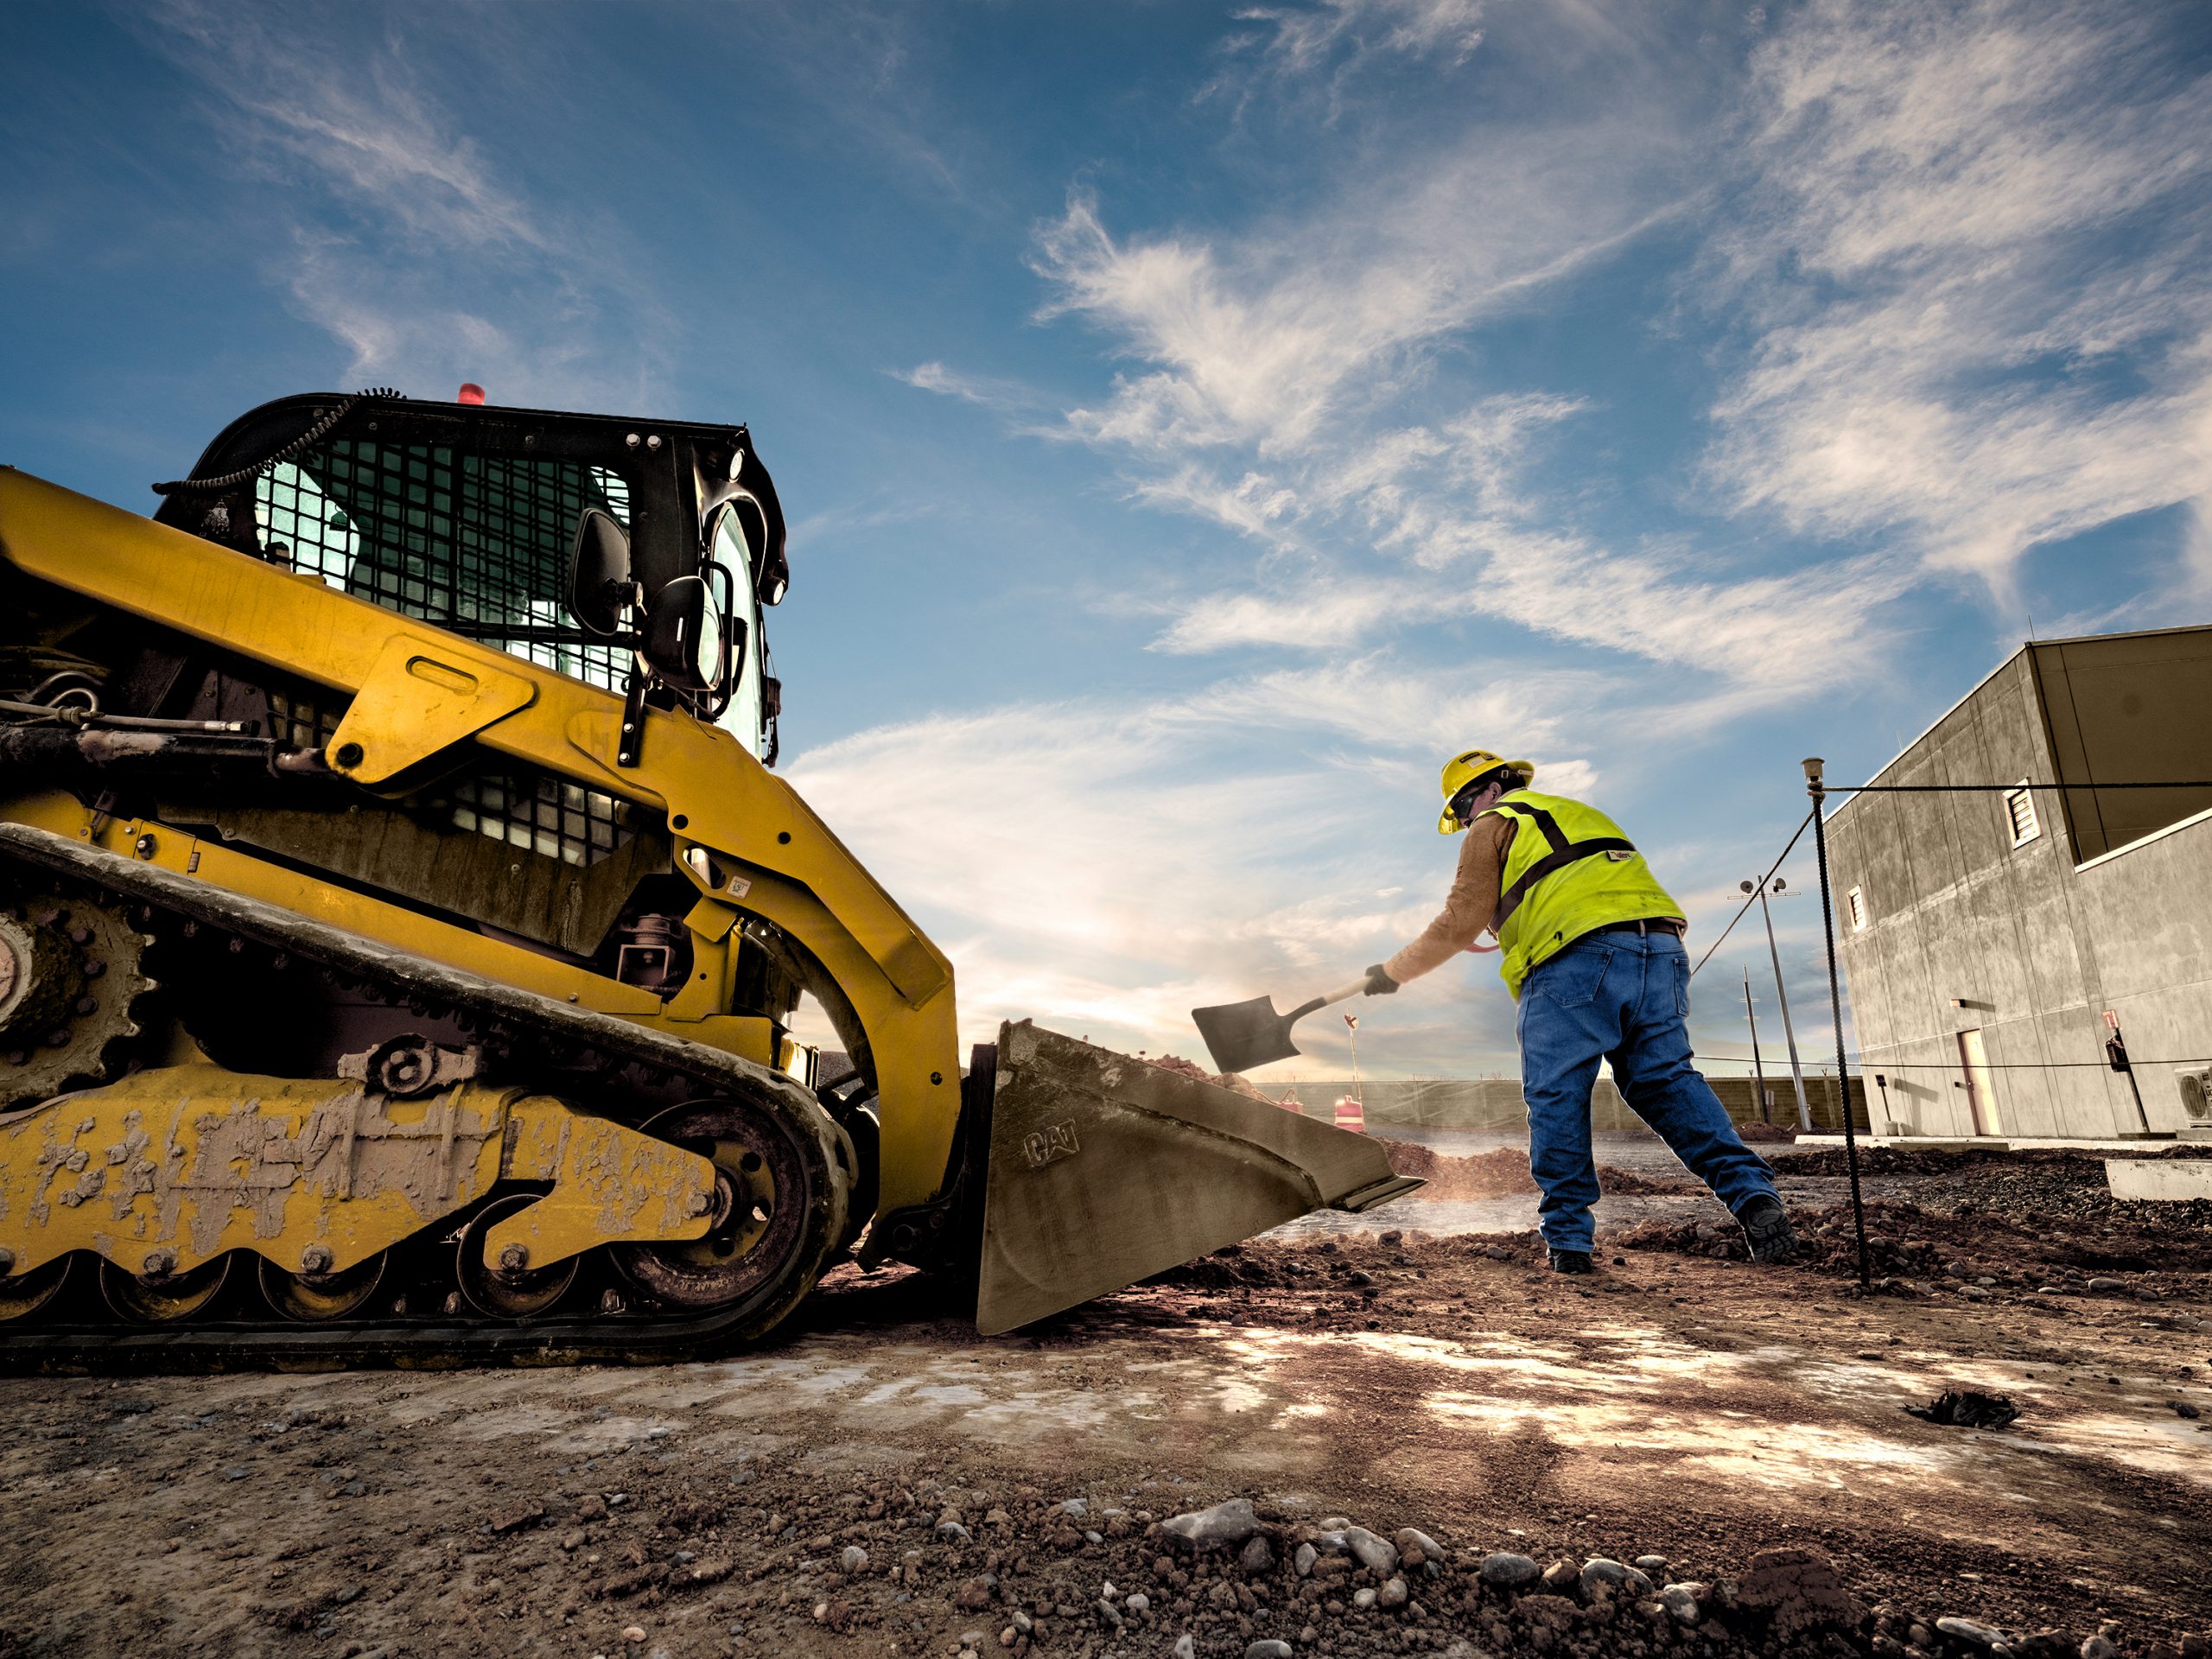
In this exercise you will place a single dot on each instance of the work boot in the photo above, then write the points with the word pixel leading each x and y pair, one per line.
pixel 1767 1229
pixel 1571 1260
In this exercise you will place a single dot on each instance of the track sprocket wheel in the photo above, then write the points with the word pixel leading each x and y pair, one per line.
pixel 71 978
pixel 766 1242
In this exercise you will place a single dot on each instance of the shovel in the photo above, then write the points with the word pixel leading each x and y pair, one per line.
pixel 1241 1035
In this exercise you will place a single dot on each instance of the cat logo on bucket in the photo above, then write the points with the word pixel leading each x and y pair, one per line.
pixel 1050 1145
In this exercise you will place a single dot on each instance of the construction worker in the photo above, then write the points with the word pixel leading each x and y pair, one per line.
pixel 1592 949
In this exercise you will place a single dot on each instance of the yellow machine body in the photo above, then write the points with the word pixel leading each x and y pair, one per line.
pixel 418 692
pixel 167 1170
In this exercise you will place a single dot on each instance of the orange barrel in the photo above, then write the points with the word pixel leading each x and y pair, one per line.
pixel 1350 1114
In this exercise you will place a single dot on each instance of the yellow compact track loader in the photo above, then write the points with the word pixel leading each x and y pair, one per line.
pixel 400 926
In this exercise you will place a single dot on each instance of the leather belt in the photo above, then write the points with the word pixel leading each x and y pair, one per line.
pixel 1650 925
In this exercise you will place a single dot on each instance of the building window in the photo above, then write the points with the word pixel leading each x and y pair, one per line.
pixel 1855 901
pixel 2020 814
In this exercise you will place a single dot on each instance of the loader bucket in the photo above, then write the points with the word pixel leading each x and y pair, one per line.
pixel 1105 1170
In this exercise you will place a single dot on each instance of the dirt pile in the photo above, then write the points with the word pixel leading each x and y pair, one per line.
pixel 1828 1244
pixel 1234 1080
pixel 1977 1254
pixel 1498 1174
pixel 1503 1174
pixel 2048 1210
pixel 2042 1189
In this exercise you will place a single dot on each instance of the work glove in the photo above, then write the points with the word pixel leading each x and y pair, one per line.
pixel 1378 982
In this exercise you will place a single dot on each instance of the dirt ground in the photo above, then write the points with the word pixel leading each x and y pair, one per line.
pixel 880 1480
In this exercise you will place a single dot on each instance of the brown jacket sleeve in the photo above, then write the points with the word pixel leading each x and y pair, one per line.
pixel 1471 904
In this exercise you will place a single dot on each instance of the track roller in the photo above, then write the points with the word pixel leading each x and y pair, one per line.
pixel 24 1295
pixel 308 1297
pixel 162 1297
pixel 508 1293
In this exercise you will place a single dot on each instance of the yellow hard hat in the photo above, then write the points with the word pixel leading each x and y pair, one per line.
pixel 1463 769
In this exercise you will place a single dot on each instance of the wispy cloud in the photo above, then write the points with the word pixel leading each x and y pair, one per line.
pixel 1313 53
pixel 1297 40
pixel 1296 394
pixel 983 390
pixel 1971 252
pixel 398 218
pixel 1325 616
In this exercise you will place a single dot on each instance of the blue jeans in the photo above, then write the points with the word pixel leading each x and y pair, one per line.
pixel 1623 996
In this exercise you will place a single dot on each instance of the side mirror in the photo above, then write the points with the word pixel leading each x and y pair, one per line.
pixel 599 588
pixel 691 638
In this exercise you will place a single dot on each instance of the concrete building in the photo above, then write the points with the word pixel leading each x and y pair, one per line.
pixel 1993 943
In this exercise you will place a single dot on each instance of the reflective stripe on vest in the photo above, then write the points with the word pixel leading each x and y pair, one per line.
pixel 1563 853
pixel 1581 875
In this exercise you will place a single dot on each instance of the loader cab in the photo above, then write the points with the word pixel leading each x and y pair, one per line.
pixel 469 516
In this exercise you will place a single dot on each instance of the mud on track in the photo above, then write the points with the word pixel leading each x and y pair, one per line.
pixel 1681 1404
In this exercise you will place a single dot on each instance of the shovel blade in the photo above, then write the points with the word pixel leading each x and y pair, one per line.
pixel 1243 1035
pixel 1105 1170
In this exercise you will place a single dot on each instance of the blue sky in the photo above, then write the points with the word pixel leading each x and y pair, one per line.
pixel 1198 420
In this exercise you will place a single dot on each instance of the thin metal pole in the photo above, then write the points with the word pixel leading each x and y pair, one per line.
pixel 1835 1012
pixel 1789 1035
pixel 1758 1073
pixel 2134 1087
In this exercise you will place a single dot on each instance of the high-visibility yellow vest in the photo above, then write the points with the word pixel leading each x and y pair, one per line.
pixel 1569 871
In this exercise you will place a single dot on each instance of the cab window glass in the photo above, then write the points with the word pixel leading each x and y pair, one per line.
pixel 477 542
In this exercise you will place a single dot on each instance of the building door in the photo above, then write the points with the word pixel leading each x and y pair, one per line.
pixel 1981 1098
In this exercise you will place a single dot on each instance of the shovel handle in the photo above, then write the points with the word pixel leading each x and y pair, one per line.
pixel 1342 993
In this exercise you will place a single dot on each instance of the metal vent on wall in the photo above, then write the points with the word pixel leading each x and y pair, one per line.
pixel 476 543
pixel 2195 1085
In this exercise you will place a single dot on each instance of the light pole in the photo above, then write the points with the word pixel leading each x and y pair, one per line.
pixel 1796 1071
pixel 1758 1071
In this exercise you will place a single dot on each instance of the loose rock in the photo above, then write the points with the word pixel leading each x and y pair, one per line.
pixel 1412 1538
pixel 1973 1632
pixel 1503 1570
pixel 1614 1575
pixel 1378 1555
pixel 1231 1523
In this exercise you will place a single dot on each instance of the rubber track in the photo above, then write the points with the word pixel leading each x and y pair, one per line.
pixel 637 1338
